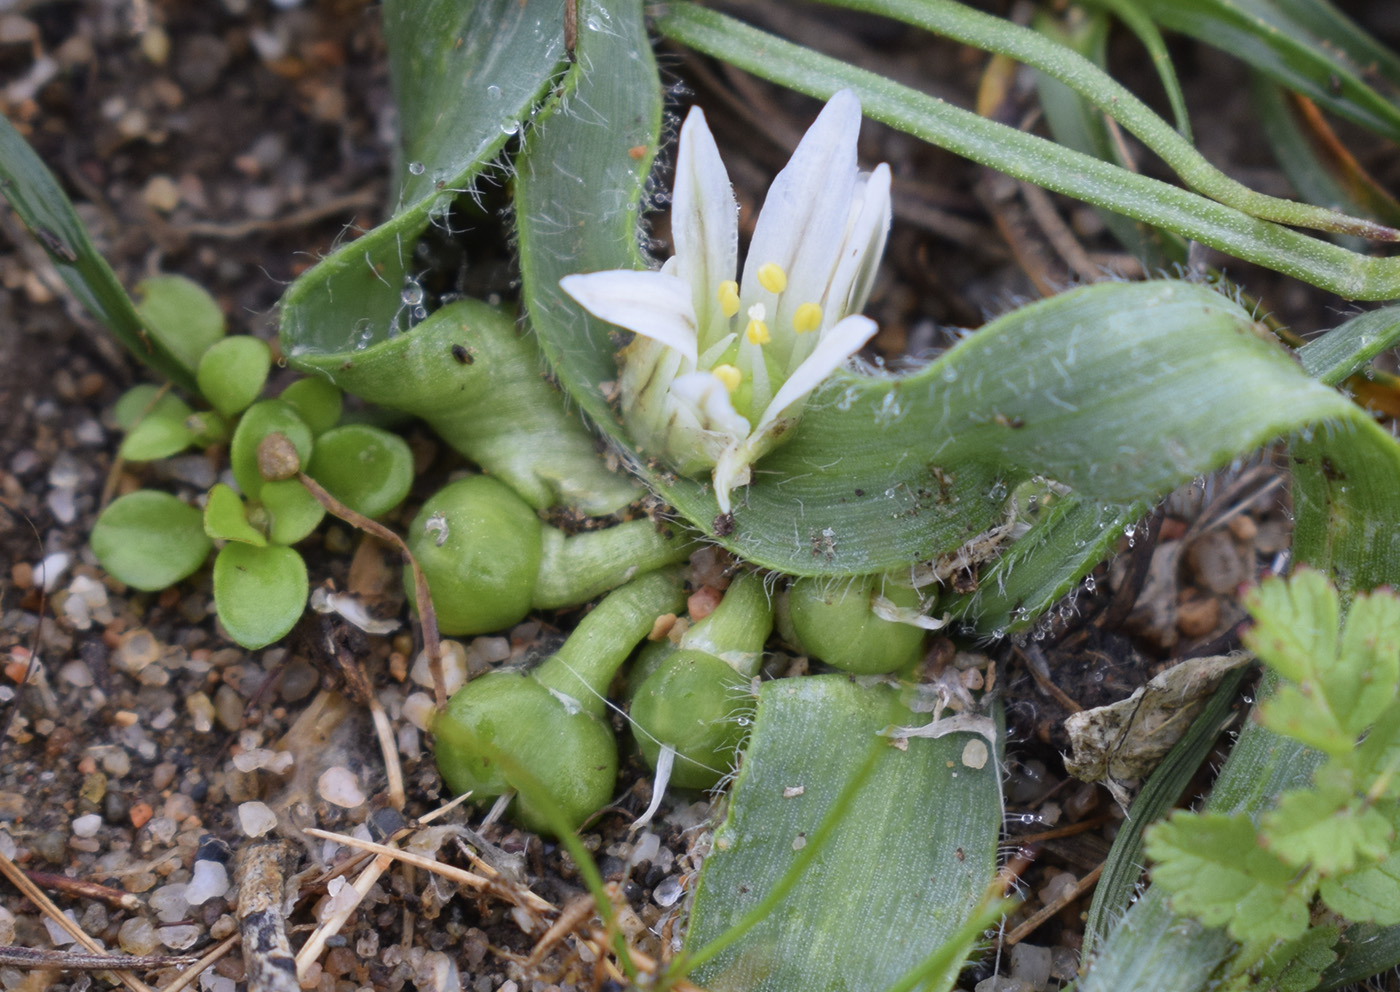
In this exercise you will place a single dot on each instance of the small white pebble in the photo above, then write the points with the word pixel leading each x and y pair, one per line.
pixel 89 433
pixel 277 762
pixel 645 849
pixel 489 649
pixel 339 785
pixel 179 938
pixel 60 936
pixel 51 569
pixel 63 507
pixel 169 902
pixel 211 982
pixel 87 825
pixel 454 667
pixel 438 973
pixel 8 847
pixel 418 710
pixel 256 818
pixel 208 881
pixel 76 673
pixel 7 926
pixel 340 897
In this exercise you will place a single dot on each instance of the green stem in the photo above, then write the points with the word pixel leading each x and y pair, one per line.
pixel 576 568
pixel 737 629
pixel 585 665
pixel 476 379
pixel 1036 160
pixel 994 34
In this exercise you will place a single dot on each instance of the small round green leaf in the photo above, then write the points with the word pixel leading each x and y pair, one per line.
pixel 233 372
pixel 259 592
pixel 157 436
pixel 145 400
pixel 316 401
pixel 181 314
pixel 258 421
pixel 226 520
pixel 294 512
pixel 367 469
pixel 150 540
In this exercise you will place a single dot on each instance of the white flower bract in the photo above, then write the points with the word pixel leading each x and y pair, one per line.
pixel 721 367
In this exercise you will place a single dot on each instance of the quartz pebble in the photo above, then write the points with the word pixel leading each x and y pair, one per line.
pixel 179 938
pixel 60 936
pixel 1031 964
pixel 277 762
pixel 137 936
pixel 667 892
pixel 136 649
pixel 338 785
pixel 1057 885
pixel 418 710
pixel 256 818
pixel 87 825
pixel 454 667
pixel 51 569
pixel 169 903
pixel 209 880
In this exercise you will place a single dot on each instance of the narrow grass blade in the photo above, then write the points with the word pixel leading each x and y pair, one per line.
pixel 45 209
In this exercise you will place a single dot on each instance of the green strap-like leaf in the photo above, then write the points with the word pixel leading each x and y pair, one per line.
pixel 40 202
pixel 917 843
pixel 465 76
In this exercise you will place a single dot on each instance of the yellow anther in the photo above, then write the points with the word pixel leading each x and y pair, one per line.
pixel 729 297
pixel 807 318
pixel 728 375
pixel 772 277
pixel 757 332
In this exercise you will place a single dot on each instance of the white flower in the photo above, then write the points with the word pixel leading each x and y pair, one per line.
pixel 721 369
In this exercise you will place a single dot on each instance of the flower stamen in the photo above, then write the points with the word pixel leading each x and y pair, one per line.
pixel 807 318
pixel 772 277
pixel 729 375
pixel 728 298
pixel 757 331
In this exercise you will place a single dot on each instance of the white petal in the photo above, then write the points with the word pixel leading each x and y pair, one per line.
pixel 708 397
pixel 805 214
pixel 652 304
pixel 836 345
pixel 704 222
pixel 732 471
pixel 862 247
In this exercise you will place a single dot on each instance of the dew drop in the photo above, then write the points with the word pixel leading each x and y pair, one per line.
pixel 416 168
pixel 412 294
pixel 511 126
pixel 493 91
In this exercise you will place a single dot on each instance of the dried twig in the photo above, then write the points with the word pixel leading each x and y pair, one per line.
pixel 1050 909
pixel 431 641
pixel 39 898
pixel 87 890
pixel 38 957
pixel 188 976
pixel 267 956
pixel 522 897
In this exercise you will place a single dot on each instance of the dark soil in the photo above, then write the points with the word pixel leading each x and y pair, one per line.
pixel 234 142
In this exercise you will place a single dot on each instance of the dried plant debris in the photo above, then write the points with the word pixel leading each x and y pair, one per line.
pixel 1121 743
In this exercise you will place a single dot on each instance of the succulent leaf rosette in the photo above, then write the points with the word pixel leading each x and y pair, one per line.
pixel 720 369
